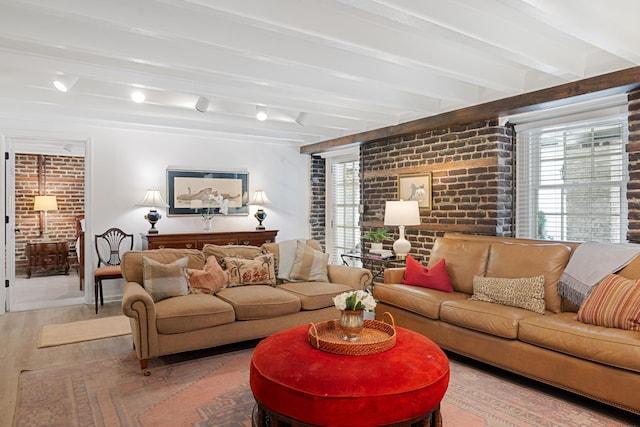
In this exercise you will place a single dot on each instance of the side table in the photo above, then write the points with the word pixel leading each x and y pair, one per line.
pixel 296 384
pixel 373 262
pixel 49 256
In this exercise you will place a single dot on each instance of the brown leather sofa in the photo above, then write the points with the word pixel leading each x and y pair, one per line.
pixel 197 321
pixel 555 348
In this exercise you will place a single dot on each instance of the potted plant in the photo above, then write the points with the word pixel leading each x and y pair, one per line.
pixel 377 236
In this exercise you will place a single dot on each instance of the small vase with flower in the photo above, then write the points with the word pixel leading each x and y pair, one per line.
pixel 352 306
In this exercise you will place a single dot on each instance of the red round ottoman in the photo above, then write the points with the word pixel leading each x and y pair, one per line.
pixel 289 377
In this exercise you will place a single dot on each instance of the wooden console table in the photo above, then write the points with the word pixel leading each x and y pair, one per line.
pixel 48 256
pixel 198 240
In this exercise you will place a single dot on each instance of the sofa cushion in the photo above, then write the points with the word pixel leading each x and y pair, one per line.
pixel 615 303
pixel 561 332
pixel 527 293
pixel 495 319
pixel 191 313
pixel 310 264
pixel 435 277
pixel 464 260
pixel 209 280
pixel 259 302
pixel 513 260
pixel 165 280
pixel 257 271
pixel 315 295
pixel 416 299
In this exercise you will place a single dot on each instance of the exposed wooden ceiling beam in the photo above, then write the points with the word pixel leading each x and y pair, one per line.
pixel 581 90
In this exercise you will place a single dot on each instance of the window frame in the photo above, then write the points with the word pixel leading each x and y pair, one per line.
pixel 333 159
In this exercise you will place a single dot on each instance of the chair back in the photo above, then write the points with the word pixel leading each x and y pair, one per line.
pixel 111 244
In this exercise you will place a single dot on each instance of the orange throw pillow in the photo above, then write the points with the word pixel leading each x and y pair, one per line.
pixel 435 277
pixel 209 280
pixel 613 303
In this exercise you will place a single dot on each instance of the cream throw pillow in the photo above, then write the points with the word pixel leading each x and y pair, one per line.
pixel 164 280
pixel 310 265
pixel 287 251
pixel 527 293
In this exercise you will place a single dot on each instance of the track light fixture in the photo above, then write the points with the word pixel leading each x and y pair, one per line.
pixel 65 82
pixel 261 113
pixel 137 97
pixel 202 104
pixel 301 119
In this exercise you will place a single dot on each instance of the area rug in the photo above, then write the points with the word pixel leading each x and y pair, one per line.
pixel 83 330
pixel 213 390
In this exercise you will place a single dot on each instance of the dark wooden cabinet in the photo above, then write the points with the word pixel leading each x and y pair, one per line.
pixel 198 240
pixel 49 256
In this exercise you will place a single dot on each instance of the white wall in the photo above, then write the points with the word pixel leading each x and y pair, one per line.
pixel 123 163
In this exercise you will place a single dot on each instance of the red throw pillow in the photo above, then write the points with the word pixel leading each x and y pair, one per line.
pixel 434 278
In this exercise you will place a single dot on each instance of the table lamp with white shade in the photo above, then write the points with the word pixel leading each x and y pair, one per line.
pixel 45 204
pixel 401 213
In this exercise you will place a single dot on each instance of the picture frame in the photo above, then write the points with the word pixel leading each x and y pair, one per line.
pixel 189 192
pixel 416 187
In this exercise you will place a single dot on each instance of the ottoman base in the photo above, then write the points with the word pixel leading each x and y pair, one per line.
pixel 265 417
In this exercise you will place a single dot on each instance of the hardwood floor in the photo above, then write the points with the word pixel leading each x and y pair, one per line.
pixel 18 352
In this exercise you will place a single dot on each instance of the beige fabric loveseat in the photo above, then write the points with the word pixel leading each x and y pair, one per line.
pixel 233 314
pixel 554 347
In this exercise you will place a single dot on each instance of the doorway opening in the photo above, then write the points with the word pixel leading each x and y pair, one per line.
pixel 43 246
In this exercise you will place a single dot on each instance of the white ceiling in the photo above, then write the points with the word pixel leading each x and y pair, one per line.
pixel 348 65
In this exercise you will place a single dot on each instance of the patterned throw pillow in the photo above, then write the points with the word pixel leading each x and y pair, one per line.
pixel 527 293
pixel 310 265
pixel 164 280
pixel 209 280
pixel 257 271
pixel 613 303
pixel 436 277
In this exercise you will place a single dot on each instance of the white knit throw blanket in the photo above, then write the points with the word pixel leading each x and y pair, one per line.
pixel 590 263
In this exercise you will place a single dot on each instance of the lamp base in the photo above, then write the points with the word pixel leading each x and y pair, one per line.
pixel 260 215
pixel 153 217
pixel 402 246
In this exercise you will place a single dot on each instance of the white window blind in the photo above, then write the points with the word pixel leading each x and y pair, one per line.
pixel 345 202
pixel 571 181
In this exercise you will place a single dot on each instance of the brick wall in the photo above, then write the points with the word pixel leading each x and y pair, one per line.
pixel 318 181
pixel 63 177
pixel 472 175
pixel 633 149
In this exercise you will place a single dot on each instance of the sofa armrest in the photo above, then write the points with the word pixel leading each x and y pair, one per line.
pixel 394 275
pixel 356 277
pixel 138 305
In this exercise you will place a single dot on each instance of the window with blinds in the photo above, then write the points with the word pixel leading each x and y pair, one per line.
pixel 571 181
pixel 345 202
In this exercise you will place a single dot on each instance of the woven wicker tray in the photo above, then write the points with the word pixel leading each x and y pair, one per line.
pixel 376 337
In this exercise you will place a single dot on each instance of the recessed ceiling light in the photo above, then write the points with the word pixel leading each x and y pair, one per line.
pixel 137 97
pixel 261 113
pixel 65 82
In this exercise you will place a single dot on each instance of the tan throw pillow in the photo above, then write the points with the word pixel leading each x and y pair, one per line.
pixel 613 303
pixel 527 293
pixel 257 271
pixel 164 280
pixel 310 265
pixel 209 280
